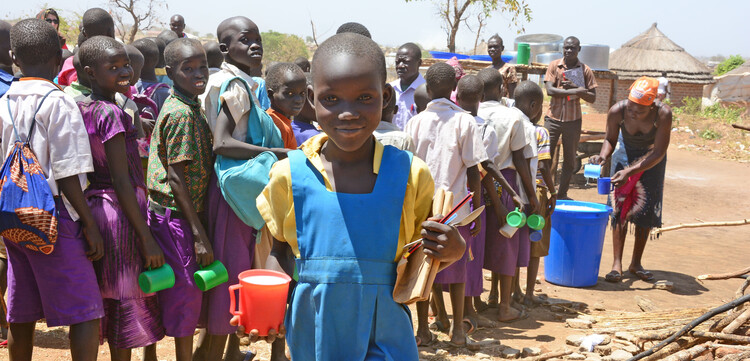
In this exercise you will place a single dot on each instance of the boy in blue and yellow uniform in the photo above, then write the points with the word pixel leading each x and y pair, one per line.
pixel 346 219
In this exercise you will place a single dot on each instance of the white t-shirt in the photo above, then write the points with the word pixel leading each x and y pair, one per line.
pixel 509 130
pixel 447 138
pixel 405 101
pixel 235 97
pixel 59 140
pixel 663 84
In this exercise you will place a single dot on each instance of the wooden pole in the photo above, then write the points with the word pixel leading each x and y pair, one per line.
pixel 721 336
pixel 658 231
pixel 724 276
pixel 743 127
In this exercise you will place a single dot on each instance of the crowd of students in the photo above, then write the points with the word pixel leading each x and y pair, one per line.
pixel 137 147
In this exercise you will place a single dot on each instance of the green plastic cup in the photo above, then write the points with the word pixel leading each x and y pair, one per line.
pixel 535 222
pixel 516 218
pixel 524 52
pixel 211 276
pixel 155 280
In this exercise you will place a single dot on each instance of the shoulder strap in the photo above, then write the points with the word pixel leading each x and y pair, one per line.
pixel 152 89
pixel 224 87
pixel 33 118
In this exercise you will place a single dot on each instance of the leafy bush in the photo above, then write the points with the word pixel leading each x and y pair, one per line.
pixel 729 64
pixel 282 47
pixel 709 134
pixel 692 106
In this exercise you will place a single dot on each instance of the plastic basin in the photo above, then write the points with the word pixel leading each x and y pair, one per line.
pixel 447 55
pixel 576 242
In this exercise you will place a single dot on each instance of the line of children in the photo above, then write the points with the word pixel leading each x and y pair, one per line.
pixel 302 124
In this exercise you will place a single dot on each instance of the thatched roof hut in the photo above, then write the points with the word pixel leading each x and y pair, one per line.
pixel 651 53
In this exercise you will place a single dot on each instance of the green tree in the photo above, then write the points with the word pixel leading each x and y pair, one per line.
pixel 729 64
pixel 282 47
pixel 457 12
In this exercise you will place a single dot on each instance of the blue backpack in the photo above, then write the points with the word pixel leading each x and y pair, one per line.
pixel 28 215
pixel 241 181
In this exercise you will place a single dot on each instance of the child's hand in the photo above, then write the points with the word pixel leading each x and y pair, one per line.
pixel 148 126
pixel 94 241
pixel 551 204
pixel 442 242
pixel 620 177
pixel 476 227
pixel 596 159
pixel 204 253
pixel 254 337
pixel 153 257
pixel 519 202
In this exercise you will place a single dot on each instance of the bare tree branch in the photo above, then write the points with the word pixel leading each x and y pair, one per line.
pixel 142 14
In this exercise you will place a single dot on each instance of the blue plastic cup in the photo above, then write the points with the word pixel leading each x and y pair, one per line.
pixel 604 185
pixel 593 171
pixel 536 236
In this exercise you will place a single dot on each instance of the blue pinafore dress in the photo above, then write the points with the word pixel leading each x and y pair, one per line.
pixel 343 307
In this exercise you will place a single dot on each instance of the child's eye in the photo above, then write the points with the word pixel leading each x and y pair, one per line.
pixel 112 67
pixel 330 98
pixel 365 98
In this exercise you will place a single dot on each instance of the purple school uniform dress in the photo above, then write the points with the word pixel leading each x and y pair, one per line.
pixel 233 242
pixel 501 254
pixel 132 318
pixel 474 277
pixel 303 131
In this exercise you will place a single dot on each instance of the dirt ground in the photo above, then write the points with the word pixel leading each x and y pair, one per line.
pixel 698 188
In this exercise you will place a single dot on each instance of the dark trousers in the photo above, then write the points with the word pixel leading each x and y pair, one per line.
pixel 571 134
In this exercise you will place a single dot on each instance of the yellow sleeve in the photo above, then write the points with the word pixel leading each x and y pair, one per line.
pixel 276 205
pixel 417 204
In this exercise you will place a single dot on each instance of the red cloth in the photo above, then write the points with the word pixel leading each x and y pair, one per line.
pixel 627 195
pixel 68 73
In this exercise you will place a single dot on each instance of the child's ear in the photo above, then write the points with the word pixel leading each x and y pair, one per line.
pixel 223 48
pixel 89 71
pixel 13 58
pixel 170 72
pixel 387 94
pixel 311 96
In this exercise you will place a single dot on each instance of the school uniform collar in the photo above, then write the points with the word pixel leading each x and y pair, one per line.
pixel 31 78
pixel 80 87
pixel 440 104
pixel 312 148
pixel 240 73
pixel 396 84
pixel 576 65
pixel 194 104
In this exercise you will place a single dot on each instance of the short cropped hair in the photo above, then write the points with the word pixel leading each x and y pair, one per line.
pixel 277 72
pixel 352 44
pixel 471 86
pixel 92 50
pixel 440 75
pixel 173 54
pixel 213 54
pixel 34 42
pixel 414 48
pixel 149 50
pixel 303 63
pixel 97 21
pixel 528 91
pixel 490 77
pixel 167 36
pixel 352 27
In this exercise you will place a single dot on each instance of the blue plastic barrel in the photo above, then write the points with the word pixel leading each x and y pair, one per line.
pixel 446 55
pixel 576 242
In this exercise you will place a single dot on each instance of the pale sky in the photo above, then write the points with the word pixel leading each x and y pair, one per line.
pixel 702 28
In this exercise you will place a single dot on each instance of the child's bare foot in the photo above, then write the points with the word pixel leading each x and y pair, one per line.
pixel 531 301
pixel 425 338
pixel 509 314
pixel 279 357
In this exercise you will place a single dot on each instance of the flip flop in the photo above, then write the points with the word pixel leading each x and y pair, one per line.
pixel 421 343
pixel 469 344
pixel 438 326
pixel 472 325
pixel 613 277
pixel 4 344
pixel 522 316
pixel 643 275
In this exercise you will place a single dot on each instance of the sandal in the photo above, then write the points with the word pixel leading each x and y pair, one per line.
pixel 522 316
pixel 613 277
pixel 472 325
pixel 643 275
pixel 4 344
pixel 421 343
pixel 469 344
pixel 439 326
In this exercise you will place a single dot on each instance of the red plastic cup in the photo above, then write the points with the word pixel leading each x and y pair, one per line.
pixel 263 295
